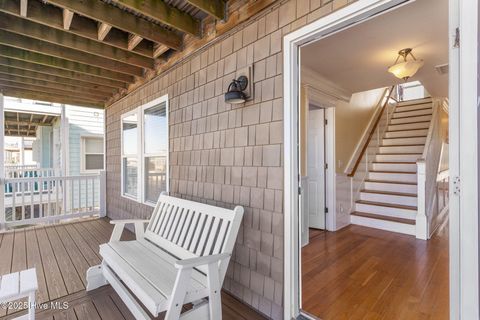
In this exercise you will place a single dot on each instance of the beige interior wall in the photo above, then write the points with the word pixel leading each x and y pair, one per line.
pixel 351 120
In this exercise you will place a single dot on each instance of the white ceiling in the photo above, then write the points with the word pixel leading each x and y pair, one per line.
pixel 357 59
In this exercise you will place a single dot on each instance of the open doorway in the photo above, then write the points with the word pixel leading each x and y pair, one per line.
pixel 390 165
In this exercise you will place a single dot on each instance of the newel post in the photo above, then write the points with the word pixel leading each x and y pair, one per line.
pixel 421 225
pixel 103 193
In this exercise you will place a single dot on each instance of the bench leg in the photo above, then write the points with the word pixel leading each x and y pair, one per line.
pixel 95 278
pixel 178 294
pixel 31 306
pixel 214 294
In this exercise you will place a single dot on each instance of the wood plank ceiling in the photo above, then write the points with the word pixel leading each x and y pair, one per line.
pixel 83 52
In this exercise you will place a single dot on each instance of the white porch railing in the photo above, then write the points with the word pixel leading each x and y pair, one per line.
pixel 30 172
pixel 38 199
pixel 427 173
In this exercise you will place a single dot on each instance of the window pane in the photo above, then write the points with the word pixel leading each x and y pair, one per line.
pixel 130 131
pixel 155 128
pixel 130 174
pixel 155 177
pixel 94 162
pixel 93 145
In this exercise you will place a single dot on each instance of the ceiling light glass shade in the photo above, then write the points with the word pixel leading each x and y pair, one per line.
pixel 405 70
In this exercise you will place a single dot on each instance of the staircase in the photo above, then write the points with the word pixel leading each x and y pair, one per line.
pixel 388 198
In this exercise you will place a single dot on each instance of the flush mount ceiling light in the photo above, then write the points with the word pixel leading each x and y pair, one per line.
pixel 406 68
pixel 235 94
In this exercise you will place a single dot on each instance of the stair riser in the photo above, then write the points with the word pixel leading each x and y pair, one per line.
pixel 386 211
pixel 388 198
pixel 406 134
pixel 414 104
pixel 410 119
pixel 397 157
pixel 404 141
pixel 384 225
pixel 391 187
pixel 404 167
pixel 404 113
pixel 395 177
pixel 401 149
pixel 409 126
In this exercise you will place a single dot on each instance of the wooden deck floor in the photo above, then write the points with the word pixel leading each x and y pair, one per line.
pixel 365 273
pixel 62 253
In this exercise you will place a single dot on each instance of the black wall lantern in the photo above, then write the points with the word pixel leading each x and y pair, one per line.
pixel 235 94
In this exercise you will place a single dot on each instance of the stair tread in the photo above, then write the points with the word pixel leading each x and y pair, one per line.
pixel 383 171
pixel 382 217
pixel 403 145
pixel 414 116
pixel 401 124
pixel 403 194
pixel 405 137
pixel 392 182
pixel 406 130
pixel 427 108
pixel 385 204
pixel 395 162
pixel 398 154
pixel 414 102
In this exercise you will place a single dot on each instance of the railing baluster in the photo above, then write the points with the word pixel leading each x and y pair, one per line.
pixel 14 195
pixel 40 196
pixel 23 199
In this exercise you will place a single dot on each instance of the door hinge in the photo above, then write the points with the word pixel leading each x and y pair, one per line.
pixel 456 43
pixel 326 121
pixel 299 190
pixel 326 210
pixel 456 186
pixel 326 166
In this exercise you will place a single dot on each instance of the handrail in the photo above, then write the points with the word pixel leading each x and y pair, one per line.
pixel 365 146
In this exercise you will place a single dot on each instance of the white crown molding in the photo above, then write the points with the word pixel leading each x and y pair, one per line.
pixel 323 89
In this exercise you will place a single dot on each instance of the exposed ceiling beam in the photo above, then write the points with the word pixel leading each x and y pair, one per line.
pixel 41 32
pixel 23 7
pixel 49 90
pixel 34 45
pixel 103 30
pixel 73 90
pixel 118 18
pixel 52 16
pixel 67 19
pixel 47 60
pixel 35 95
pixel 215 8
pixel 79 86
pixel 25 123
pixel 158 50
pixel 133 41
pixel 83 79
pixel 162 12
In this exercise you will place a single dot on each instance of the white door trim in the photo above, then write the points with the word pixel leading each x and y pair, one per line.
pixel 464 306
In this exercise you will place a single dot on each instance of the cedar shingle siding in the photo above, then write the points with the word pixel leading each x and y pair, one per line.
pixel 224 154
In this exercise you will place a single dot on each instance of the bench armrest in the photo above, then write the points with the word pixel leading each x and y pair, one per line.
pixel 120 225
pixel 201 261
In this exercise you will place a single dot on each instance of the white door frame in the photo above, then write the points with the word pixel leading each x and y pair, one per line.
pixel 464 249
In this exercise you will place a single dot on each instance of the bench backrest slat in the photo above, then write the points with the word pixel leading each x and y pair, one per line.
pixel 188 229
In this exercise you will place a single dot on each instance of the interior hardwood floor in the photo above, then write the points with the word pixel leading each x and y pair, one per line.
pixel 62 253
pixel 365 273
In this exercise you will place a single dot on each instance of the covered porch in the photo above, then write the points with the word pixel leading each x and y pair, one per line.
pixel 61 254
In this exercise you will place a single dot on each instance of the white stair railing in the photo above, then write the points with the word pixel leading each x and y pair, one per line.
pixel 40 199
pixel 427 171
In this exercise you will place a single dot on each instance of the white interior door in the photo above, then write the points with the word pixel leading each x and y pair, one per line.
pixel 316 168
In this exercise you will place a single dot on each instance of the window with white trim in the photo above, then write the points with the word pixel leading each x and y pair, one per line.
pixel 91 154
pixel 145 151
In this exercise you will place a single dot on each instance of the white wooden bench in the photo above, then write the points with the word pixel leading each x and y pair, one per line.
pixel 180 258
pixel 19 285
